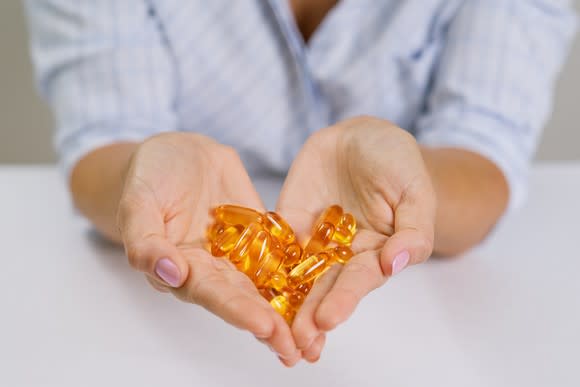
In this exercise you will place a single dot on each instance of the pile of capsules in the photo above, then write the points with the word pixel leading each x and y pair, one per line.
pixel 265 248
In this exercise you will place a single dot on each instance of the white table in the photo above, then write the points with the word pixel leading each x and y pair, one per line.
pixel 74 314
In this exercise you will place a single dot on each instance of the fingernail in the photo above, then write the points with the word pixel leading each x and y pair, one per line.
pixel 400 261
pixel 168 272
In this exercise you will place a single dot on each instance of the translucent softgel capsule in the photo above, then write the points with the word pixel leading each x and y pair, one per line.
pixel 243 244
pixel 226 241
pixel 340 254
pixel 293 255
pixel 320 239
pixel 268 265
pixel 214 230
pixel 259 246
pixel 348 221
pixel 331 215
pixel 278 228
pixel 309 269
pixel 277 281
pixel 283 307
pixel 231 215
pixel 342 235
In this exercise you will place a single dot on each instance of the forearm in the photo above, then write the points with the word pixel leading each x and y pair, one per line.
pixel 472 194
pixel 96 184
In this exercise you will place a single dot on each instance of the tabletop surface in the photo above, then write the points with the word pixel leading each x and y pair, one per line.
pixel 506 314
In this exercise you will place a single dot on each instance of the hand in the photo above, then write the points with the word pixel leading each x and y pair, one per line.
pixel 374 170
pixel 173 181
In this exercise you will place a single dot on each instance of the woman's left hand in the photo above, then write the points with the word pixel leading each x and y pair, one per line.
pixel 375 171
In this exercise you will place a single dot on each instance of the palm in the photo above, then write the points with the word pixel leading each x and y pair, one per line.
pixel 179 179
pixel 374 170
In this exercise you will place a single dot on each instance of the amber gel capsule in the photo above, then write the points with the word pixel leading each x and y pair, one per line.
pixel 293 255
pixel 282 306
pixel 342 235
pixel 230 214
pixel 278 227
pixel 320 239
pixel 214 230
pixel 259 246
pixel 331 215
pixel 268 265
pixel 340 254
pixel 242 246
pixel 226 241
pixel 309 269
pixel 348 221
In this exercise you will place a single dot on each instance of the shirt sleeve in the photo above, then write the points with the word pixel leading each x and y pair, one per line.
pixel 105 70
pixel 493 85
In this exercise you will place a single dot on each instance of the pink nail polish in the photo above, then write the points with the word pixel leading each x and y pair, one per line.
pixel 168 272
pixel 400 262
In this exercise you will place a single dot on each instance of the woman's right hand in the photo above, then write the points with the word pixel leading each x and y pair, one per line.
pixel 172 183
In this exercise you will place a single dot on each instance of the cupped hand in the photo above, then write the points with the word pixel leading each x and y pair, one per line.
pixel 172 183
pixel 375 171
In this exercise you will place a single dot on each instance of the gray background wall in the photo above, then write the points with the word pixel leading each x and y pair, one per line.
pixel 25 123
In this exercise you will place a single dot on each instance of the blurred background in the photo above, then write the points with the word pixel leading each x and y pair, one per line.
pixel 26 125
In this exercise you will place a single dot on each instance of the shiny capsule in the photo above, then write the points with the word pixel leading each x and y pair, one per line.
pixel 348 221
pixel 293 255
pixel 340 254
pixel 243 244
pixel 280 304
pixel 320 239
pixel 259 246
pixel 268 265
pixel 309 269
pixel 342 235
pixel 231 214
pixel 279 228
pixel 214 231
pixel 295 297
pixel 277 281
pixel 331 215
pixel 226 240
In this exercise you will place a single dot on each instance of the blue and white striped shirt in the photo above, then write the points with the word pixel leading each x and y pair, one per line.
pixel 475 74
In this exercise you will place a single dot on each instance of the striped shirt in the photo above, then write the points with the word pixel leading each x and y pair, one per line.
pixel 474 74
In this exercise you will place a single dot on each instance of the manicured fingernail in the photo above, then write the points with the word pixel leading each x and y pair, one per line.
pixel 168 272
pixel 400 261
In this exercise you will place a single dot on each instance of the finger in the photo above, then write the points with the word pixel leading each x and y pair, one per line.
pixel 143 232
pixel 360 275
pixel 304 328
pixel 219 287
pixel 157 284
pixel 312 353
pixel 412 241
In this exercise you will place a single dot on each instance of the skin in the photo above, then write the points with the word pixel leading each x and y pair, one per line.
pixel 405 198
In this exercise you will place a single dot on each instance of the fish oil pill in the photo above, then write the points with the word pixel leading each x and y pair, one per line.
pixel 268 265
pixel 331 215
pixel 348 221
pixel 295 297
pixel 280 304
pixel 214 230
pixel 340 254
pixel 309 269
pixel 277 281
pixel 279 228
pixel 258 247
pixel 320 239
pixel 226 241
pixel 231 215
pixel 245 240
pixel 342 235
pixel 293 255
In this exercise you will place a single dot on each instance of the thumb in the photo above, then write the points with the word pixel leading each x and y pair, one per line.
pixel 413 239
pixel 142 229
